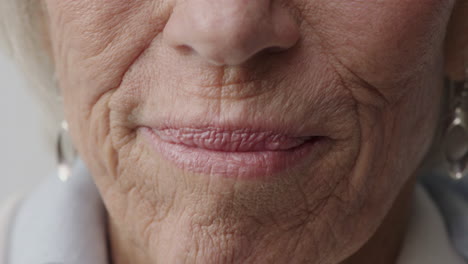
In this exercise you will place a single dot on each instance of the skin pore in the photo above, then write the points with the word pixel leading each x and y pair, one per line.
pixel 365 75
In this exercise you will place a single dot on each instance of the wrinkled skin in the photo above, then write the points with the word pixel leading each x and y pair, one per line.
pixel 365 74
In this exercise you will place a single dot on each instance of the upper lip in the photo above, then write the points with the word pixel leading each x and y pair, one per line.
pixel 236 135
pixel 237 140
pixel 273 125
pixel 267 126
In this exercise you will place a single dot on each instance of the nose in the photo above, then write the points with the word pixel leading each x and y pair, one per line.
pixel 230 32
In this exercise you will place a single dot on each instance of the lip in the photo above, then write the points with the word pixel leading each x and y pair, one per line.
pixel 239 153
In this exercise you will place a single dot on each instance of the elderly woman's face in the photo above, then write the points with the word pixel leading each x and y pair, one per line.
pixel 224 129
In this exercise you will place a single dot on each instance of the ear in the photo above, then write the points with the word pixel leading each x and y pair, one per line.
pixel 456 43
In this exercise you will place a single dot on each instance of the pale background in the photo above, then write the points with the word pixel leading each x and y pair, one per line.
pixel 26 151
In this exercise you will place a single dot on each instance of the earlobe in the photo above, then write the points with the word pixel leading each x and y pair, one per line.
pixel 456 42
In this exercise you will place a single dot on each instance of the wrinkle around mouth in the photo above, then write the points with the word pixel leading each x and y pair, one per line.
pixel 231 82
pixel 229 91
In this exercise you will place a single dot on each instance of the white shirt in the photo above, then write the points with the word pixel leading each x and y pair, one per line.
pixel 426 241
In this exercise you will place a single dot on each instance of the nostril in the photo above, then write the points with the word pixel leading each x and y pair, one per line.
pixel 275 49
pixel 185 49
pixel 272 50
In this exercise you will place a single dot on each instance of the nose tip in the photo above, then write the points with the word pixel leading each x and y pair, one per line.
pixel 230 32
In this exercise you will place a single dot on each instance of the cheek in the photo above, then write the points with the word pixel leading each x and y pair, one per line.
pixel 95 43
pixel 388 42
pixel 389 54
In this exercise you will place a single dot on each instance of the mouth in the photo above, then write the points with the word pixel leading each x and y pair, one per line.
pixel 238 153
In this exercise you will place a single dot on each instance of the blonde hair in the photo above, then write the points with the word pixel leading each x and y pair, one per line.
pixel 23 37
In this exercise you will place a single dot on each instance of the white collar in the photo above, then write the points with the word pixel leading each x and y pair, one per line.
pixel 66 223
pixel 426 240
pixel 61 222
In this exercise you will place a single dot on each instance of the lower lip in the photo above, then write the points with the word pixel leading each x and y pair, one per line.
pixel 245 165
